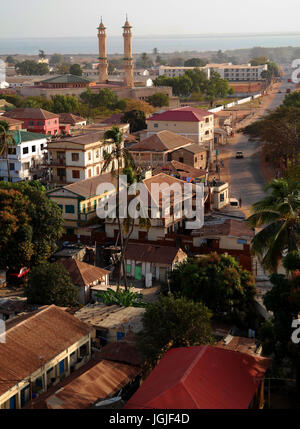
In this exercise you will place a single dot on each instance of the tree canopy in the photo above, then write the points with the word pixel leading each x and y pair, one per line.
pixel 51 284
pixel 31 68
pixel 136 119
pixel 220 283
pixel 76 70
pixel 31 222
pixel 170 323
pixel 195 62
pixel 159 99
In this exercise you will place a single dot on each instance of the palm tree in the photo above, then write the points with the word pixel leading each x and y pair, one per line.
pixel 116 160
pixel 279 216
pixel 6 141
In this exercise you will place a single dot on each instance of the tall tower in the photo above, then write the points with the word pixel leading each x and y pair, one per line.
pixel 103 65
pixel 128 60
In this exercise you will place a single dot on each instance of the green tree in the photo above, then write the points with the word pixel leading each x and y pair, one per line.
pixel 51 284
pixel 31 68
pixel 115 161
pixel 121 297
pixel 220 283
pixel 174 323
pixel 62 68
pixel 66 104
pixel 159 99
pixel 39 229
pixel 195 62
pixel 259 61
pixel 278 216
pixel 76 70
pixel 292 100
pixel 136 119
pixel 56 59
pixel 10 60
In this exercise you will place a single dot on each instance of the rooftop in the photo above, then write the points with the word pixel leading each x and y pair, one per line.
pixel 112 317
pixel 203 377
pixel 69 118
pixel 161 142
pixel 83 274
pixel 22 136
pixel 143 252
pixel 176 167
pixel 66 78
pixel 227 227
pixel 30 113
pixel 34 339
pixel 184 114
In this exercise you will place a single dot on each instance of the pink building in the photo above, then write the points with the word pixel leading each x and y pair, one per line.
pixel 36 120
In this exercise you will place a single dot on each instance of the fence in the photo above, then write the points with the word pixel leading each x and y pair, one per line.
pixel 235 103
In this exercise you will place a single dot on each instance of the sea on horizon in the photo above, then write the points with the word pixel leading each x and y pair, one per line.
pixel 164 44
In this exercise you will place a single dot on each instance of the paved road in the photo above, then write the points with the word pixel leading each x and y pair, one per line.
pixel 247 181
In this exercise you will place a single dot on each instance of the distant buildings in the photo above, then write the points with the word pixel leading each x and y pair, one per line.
pixel 233 73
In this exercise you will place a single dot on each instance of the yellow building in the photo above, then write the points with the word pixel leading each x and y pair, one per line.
pixel 79 202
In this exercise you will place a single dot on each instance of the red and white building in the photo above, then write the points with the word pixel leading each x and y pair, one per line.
pixel 36 120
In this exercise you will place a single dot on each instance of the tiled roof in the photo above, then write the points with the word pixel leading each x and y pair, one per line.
pixel 228 227
pixel 10 121
pixel 195 148
pixel 144 252
pixel 69 118
pixel 201 377
pixel 161 142
pixel 31 113
pixel 87 138
pixel 88 187
pixel 34 340
pixel 66 78
pixel 97 380
pixel 176 167
pixel 184 114
pixel 83 274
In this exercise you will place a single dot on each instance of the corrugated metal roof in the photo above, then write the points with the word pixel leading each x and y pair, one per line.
pixel 34 340
pixel 203 377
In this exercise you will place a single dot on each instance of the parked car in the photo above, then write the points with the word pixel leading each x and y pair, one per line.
pixel 239 155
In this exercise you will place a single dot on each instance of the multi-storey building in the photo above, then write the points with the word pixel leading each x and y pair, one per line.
pixel 36 120
pixel 195 124
pixel 77 158
pixel 25 157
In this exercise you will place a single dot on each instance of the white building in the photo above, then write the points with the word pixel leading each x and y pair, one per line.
pixel 233 73
pixel 24 157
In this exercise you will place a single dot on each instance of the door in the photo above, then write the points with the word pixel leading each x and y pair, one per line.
pixel 138 272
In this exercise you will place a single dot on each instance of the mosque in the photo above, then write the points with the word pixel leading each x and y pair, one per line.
pixel 126 88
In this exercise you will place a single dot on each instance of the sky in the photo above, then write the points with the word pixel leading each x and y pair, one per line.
pixel 79 18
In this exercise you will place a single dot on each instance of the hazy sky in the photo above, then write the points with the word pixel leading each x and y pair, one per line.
pixel 49 18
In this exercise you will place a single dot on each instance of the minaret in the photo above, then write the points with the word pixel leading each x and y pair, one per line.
pixel 103 65
pixel 128 60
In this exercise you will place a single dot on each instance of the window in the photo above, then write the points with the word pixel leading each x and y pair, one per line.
pixel 155 125
pixel 196 159
pixel 181 160
pixel 33 149
pixel 61 207
pixel 75 174
pixel 42 146
pixel 30 123
pixel 25 150
pixel 70 209
pixel 97 153
pixel 11 166
pixel 89 156
pixel 222 198
pixel 26 166
pixel 75 157
pixel 90 173
pixel 12 151
pixel 40 123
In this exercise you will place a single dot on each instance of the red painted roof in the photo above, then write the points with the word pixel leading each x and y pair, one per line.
pixel 184 114
pixel 203 377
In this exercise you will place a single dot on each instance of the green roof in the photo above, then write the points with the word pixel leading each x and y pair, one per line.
pixel 26 136
pixel 67 78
